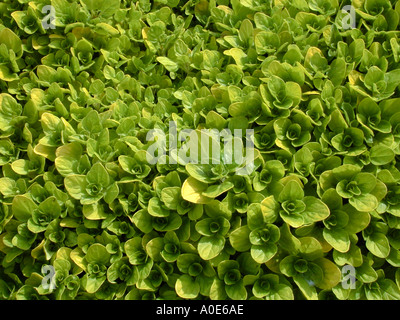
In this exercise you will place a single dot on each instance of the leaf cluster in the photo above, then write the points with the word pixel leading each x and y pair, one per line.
pixel 321 191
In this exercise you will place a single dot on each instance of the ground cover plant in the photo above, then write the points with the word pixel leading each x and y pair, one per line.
pixel 104 105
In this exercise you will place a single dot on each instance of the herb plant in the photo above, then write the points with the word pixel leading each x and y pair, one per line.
pixel 102 107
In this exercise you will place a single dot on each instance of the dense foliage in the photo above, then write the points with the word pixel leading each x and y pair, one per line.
pixel 85 215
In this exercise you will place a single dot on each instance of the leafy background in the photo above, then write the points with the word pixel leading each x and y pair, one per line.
pixel 77 193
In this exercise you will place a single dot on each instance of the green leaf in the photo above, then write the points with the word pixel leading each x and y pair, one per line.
pixel 105 8
pixel 266 42
pixel 210 247
pixel 381 155
pixel 215 120
pixel 315 210
pixel 269 208
pixel 134 250
pixel 11 40
pixel 192 191
pixel 255 217
pixel 50 206
pixel 6 74
pixel 97 253
pixel 310 248
pixel 263 253
pixel 282 292
pixel 66 165
pixel 214 191
pixel 390 289
pixel 212 226
pixel 394 257
pixel 366 182
pixel 170 196
pixel 291 191
pixel 352 257
pixel 23 207
pixel 154 248
pixel 21 166
pixel 332 274
pixel 94 211
pixel 236 291
pixel 338 238
pixel 105 28
pixel 91 122
pixel 378 244
pixel 8 187
pixel 157 209
pixel 111 193
pixel 170 223
pixel 364 202
pixel 358 221
pixel 143 221
pixel 75 185
pixel 92 284
pixel 368 107
pixel 200 172
pixel 217 290
pixel 98 175
pixel 287 241
pixel 366 273
pixel 345 172
pixel 170 65
pixel 239 239
pixel 186 287
pixel 337 71
pixel 309 292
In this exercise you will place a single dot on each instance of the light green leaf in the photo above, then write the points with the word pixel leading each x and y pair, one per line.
pixel 76 186
pixel 170 197
pixel 66 165
pixel 364 202
pixel 97 253
pixel 236 291
pixel 239 239
pixel 98 175
pixel 22 207
pixel 263 253
pixel 8 187
pixel 291 191
pixel 192 191
pixel 315 210
pixel 287 241
pixel 352 257
pixel 269 208
pixel 21 166
pixel 309 292
pixel 170 65
pixel 378 244
pixel 337 238
pixel 217 290
pixel 186 287
pixel 390 289
pixel 92 284
pixel 210 247
pixel 358 221
pixel 154 248
pixel 143 221
pixel 156 208
pixel 216 190
pixel 381 155
pixel 94 211
pixel 105 8
pixel 11 40
pixel 332 274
